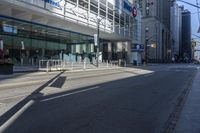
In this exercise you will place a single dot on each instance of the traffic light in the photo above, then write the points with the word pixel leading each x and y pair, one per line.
pixel 153 45
pixel 194 43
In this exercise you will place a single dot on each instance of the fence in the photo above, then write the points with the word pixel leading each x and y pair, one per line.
pixel 58 65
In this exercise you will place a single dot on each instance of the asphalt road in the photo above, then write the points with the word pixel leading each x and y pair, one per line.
pixel 131 104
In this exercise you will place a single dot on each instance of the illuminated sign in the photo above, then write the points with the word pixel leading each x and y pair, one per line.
pixel 129 8
pixel 9 28
pixel 55 3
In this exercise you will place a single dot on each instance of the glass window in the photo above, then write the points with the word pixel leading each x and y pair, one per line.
pixel 38 32
pixel 7 40
pixel 83 4
pixel 21 43
pixel 52 35
pixel 75 38
pixel 6 26
pixel 38 44
pixel 23 29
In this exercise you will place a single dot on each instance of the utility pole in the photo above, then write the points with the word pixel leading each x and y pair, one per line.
pixel 146 43
pixel 97 55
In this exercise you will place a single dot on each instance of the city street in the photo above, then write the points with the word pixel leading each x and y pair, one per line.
pixel 99 66
pixel 121 100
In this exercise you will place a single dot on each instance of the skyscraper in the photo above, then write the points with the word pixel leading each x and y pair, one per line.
pixel 186 51
pixel 176 29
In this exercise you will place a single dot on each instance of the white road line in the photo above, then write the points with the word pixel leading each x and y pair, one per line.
pixel 9 122
pixel 68 94
pixel 146 75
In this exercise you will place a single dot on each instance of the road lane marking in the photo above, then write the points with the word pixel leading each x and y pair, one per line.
pixel 68 94
pixel 146 75
pixel 12 119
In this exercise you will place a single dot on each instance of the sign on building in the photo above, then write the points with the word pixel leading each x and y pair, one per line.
pixel 129 8
pixel 137 48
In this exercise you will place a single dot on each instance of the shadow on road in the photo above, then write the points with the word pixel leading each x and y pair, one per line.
pixel 18 106
pixel 59 82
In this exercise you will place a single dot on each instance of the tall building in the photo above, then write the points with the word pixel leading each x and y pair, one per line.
pixel 60 29
pixel 186 48
pixel 156 29
pixel 176 29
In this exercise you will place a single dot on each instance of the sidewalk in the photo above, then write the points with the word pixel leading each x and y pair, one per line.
pixel 189 121
pixel 18 69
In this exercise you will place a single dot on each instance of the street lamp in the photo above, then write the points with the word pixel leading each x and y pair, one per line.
pixel 146 43
pixel 147 40
pixel 97 58
pixel 98 26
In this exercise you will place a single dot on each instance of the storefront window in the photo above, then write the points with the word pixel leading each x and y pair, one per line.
pixel 27 43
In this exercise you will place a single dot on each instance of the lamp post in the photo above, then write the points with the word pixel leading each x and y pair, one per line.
pixel 146 43
pixel 98 40
pixel 97 55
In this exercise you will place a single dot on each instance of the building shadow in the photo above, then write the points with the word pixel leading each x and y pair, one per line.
pixel 32 96
pixel 59 82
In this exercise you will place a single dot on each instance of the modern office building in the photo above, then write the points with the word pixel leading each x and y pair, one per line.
pixel 186 48
pixel 64 29
pixel 176 29
pixel 156 29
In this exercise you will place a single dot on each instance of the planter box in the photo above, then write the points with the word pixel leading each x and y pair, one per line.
pixel 6 69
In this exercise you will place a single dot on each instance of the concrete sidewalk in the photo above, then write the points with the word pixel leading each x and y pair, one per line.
pixel 19 69
pixel 189 121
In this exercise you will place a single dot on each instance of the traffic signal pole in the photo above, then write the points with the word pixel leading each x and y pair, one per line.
pixel 146 51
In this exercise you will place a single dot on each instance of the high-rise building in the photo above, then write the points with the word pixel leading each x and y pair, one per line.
pixel 186 49
pixel 156 29
pixel 176 29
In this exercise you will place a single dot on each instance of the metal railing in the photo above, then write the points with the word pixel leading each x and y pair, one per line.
pixel 59 65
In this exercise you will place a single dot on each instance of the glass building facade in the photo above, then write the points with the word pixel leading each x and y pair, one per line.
pixel 32 42
pixel 32 30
